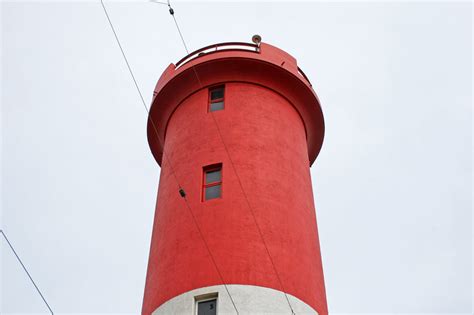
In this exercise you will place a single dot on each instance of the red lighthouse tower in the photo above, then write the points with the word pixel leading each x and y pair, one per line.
pixel 235 128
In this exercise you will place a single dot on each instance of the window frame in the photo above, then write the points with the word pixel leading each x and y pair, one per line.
pixel 217 100
pixel 205 298
pixel 204 185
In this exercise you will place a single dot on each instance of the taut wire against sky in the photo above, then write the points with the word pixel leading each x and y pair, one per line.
pixel 26 270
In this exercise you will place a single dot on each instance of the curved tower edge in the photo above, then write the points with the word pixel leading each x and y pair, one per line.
pixel 249 299
pixel 267 66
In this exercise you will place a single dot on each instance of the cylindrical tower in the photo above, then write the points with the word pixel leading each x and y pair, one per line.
pixel 236 126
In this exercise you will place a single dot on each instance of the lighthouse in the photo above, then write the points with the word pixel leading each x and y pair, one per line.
pixel 235 128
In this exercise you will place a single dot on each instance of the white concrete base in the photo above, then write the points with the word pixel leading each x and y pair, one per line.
pixel 247 298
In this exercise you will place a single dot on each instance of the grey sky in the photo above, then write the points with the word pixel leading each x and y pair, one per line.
pixel 392 185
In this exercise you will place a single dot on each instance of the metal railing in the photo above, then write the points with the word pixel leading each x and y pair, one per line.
pixel 230 46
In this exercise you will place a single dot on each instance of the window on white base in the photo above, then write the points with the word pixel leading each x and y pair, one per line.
pixel 206 304
pixel 207 307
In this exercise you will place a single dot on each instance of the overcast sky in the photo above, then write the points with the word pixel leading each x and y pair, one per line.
pixel 392 185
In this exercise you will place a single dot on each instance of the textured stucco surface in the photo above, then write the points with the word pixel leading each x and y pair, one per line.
pixel 248 300
pixel 265 137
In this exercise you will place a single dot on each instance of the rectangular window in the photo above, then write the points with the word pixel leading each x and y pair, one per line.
pixel 208 307
pixel 216 98
pixel 206 304
pixel 212 182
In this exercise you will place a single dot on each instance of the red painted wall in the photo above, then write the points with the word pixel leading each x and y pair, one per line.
pixel 266 139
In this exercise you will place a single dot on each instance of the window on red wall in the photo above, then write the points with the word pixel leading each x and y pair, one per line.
pixel 216 98
pixel 212 182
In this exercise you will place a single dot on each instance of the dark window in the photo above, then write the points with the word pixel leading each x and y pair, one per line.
pixel 213 192
pixel 216 98
pixel 207 307
pixel 217 93
pixel 213 176
pixel 216 106
pixel 212 182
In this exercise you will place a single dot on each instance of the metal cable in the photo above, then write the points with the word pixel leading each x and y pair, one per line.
pixel 136 85
pixel 179 31
pixel 234 169
pixel 166 157
pixel 159 2
pixel 26 270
